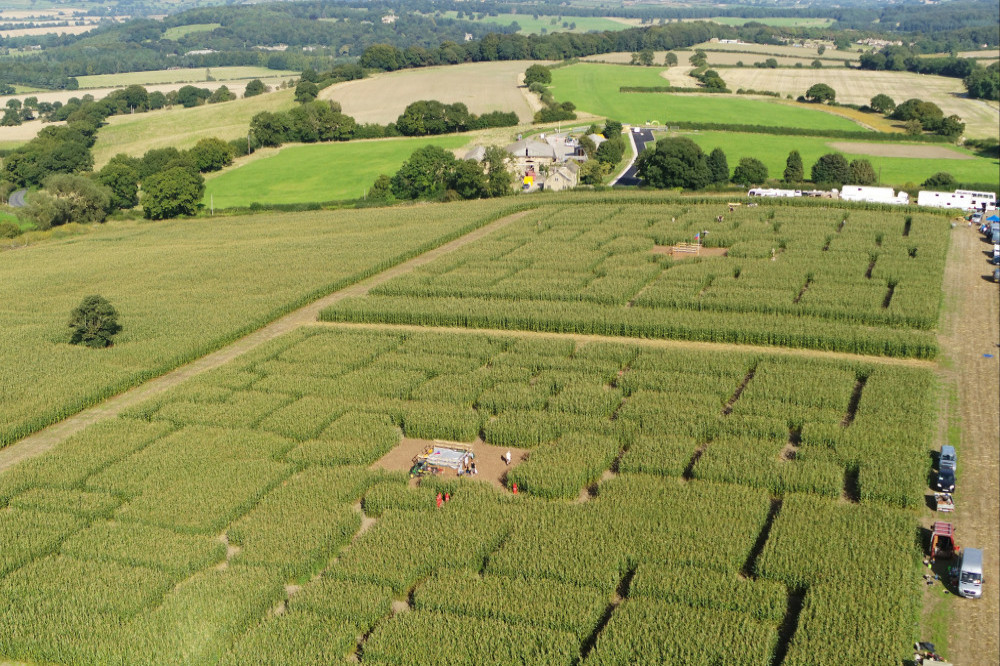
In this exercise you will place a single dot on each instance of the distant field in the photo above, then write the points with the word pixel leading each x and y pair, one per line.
pixel 487 86
pixel 182 128
pixel 595 88
pixel 198 75
pixel 773 151
pixel 776 21
pixel 807 51
pixel 532 26
pixel 317 172
pixel 716 58
pixel 184 30
pixel 855 86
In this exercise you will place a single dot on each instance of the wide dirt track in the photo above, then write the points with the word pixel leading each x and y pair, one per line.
pixel 970 331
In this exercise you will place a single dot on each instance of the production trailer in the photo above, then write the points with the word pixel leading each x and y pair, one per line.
pixel 959 199
pixel 765 192
pixel 883 195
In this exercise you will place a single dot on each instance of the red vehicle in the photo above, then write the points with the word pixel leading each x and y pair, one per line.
pixel 943 542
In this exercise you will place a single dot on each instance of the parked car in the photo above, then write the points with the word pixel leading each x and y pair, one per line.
pixel 970 574
pixel 996 274
pixel 948 458
pixel 945 480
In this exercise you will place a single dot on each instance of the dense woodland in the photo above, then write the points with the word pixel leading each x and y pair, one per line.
pixel 319 33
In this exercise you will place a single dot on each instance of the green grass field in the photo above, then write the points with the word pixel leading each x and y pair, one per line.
pixel 773 151
pixel 195 76
pixel 184 30
pixel 181 288
pixel 317 172
pixel 182 128
pixel 782 21
pixel 532 26
pixel 594 88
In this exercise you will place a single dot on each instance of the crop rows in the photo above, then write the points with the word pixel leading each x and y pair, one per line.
pixel 118 538
pixel 803 277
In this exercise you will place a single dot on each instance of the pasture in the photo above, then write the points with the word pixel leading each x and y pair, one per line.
pixel 182 128
pixel 316 172
pixel 182 288
pixel 782 21
pixel 482 87
pixel 855 86
pixel 677 505
pixel 594 88
pixel 198 76
pixel 924 160
pixel 543 24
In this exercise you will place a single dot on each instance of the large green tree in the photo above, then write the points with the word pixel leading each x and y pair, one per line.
pixel 674 162
pixel 718 164
pixel 750 171
pixel 882 103
pixel 831 169
pixel 254 88
pixel 862 172
pixel 425 174
pixel 794 170
pixel 175 191
pixel 93 323
pixel 821 92
pixel 122 179
pixel 69 198
pixel 537 74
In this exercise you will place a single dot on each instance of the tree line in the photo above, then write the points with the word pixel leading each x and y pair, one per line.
pixel 980 82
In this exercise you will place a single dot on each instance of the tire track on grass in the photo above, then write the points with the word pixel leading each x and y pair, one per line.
pixel 47 438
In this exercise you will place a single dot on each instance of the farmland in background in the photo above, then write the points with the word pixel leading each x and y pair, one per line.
pixel 196 77
pixel 927 159
pixel 182 128
pixel 183 30
pixel 861 282
pixel 595 88
pixel 855 86
pixel 810 50
pixel 169 533
pixel 182 288
pixel 317 172
pixel 532 26
pixel 482 87
pixel 783 21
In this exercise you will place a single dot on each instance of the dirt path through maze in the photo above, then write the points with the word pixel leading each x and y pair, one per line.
pixel 971 331
pixel 45 440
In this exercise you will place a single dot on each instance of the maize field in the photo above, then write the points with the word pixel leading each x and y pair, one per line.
pixel 677 505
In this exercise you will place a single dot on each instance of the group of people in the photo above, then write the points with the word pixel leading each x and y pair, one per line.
pixel 468 469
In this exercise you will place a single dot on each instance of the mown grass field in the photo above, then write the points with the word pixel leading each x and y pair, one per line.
pixel 706 539
pixel 182 128
pixel 182 288
pixel 810 50
pixel 594 88
pixel 773 151
pixel 193 76
pixel 317 172
pixel 783 21
pixel 184 30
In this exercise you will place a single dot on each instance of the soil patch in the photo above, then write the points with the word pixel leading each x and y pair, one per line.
pixel 889 150
pixel 489 459
pixel 674 252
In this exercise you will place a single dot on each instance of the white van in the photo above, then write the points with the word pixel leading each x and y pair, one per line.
pixel 970 574
pixel 948 458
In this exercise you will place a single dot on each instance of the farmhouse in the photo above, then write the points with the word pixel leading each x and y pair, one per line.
pixel 549 162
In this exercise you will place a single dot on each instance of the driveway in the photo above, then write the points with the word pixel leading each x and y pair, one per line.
pixel 16 199
pixel 643 138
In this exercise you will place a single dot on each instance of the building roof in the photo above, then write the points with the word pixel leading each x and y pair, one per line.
pixel 477 154
pixel 531 148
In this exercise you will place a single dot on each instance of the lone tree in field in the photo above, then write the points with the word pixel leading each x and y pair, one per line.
pixel 794 171
pixel 820 93
pixel 882 103
pixel 670 60
pixel 255 87
pixel 537 74
pixel 93 323
pixel 719 166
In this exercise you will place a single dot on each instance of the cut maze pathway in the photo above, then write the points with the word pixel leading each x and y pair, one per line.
pixel 44 440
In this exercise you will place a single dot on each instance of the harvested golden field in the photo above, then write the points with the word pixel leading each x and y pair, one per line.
pixel 807 51
pixel 182 128
pixel 858 87
pixel 194 76
pixel 486 86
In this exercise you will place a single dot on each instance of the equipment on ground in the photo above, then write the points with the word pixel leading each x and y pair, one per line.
pixel 441 456
pixel 944 502
pixel 943 542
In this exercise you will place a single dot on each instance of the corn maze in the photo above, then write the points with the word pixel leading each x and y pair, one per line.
pixel 815 277
pixel 677 506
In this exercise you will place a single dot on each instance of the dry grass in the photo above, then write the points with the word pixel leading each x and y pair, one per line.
pixel 182 128
pixel 49 30
pixel 194 76
pixel 859 86
pixel 900 150
pixel 807 51
pixel 487 86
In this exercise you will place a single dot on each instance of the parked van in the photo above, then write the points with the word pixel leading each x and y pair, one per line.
pixel 948 458
pixel 970 574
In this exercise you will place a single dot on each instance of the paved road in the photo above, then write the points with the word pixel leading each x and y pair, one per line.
pixel 643 139
pixel 16 199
